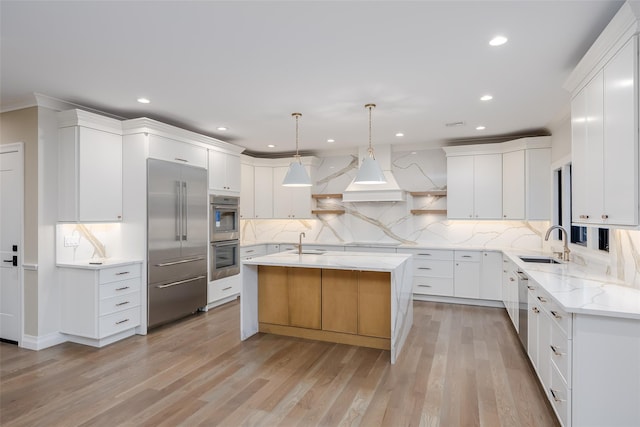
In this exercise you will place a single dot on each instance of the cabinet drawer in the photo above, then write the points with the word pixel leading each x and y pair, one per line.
pixel 561 318
pixel 432 268
pixel 560 397
pixel 124 272
pixel 560 353
pixel 118 322
pixel 427 253
pixel 177 152
pixel 433 286
pixel 119 303
pixel 119 288
pixel 218 291
pixel 252 251
pixel 467 256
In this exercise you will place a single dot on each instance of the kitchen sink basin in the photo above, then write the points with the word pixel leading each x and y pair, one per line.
pixel 540 260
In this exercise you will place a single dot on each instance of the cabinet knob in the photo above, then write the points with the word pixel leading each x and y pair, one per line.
pixel 604 216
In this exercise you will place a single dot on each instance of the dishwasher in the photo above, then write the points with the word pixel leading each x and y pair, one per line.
pixel 523 308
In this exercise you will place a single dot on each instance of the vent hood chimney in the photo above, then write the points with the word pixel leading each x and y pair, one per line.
pixel 387 192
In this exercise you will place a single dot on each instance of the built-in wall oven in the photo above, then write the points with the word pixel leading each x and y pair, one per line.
pixel 224 228
pixel 224 214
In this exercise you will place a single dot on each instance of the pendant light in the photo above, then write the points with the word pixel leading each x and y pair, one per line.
pixel 370 171
pixel 296 175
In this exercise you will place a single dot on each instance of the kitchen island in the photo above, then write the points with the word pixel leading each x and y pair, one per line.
pixel 352 298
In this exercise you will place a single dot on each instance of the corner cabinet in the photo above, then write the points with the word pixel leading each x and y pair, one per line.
pixel 89 168
pixel 290 202
pixel 604 133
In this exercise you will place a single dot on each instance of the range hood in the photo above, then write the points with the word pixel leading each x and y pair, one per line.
pixel 387 192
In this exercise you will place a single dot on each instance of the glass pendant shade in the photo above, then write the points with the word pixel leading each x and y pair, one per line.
pixel 296 176
pixel 370 172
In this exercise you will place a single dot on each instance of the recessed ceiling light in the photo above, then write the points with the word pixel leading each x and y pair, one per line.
pixel 222 128
pixel 331 140
pixel 480 128
pixel 143 100
pixel 498 41
pixel 399 134
pixel 271 146
pixel 486 98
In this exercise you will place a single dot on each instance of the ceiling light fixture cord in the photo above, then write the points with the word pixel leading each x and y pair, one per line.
pixel 370 107
pixel 297 116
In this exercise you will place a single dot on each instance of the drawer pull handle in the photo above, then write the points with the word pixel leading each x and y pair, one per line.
pixel 531 288
pixel 556 315
pixel 466 256
pixel 251 250
pixel 511 279
pixel 556 351
pixel 180 282
pixel 542 299
pixel 227 288
pixel 424 286
pixel 122 273
pixel 535 310
pixel 122 321
pixel 181 160
pixel 424 268
pixel 122 288
pixel 122 303
pixel 555 397
pixel 425 254
pixel 167 264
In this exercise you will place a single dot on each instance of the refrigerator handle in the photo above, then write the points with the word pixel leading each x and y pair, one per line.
pixel 178 217
pixel 185 212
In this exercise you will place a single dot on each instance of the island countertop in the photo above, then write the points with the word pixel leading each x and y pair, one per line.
pixel 334 260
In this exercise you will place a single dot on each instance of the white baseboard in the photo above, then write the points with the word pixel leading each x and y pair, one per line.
pixel 102 341
pixel 221 301
pixel 31 342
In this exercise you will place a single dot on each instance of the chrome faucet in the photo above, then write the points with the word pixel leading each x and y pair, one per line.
pixel 300 242
pixel 565 239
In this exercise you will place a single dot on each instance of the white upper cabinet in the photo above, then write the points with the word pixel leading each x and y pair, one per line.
pixel 474 186
pixel 246 191
pixel 604 131
pixel 526 180
pixel 513 185
pixel 621 137
pixel 172 150
pixel 89 168
pixel 290 202
pixel 263 189
pixel 224 172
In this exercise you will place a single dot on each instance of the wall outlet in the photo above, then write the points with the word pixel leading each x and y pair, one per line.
pixel 71 241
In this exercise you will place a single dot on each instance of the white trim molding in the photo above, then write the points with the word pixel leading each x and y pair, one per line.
pixel 31 342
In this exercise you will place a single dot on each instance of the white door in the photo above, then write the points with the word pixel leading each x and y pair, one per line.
pixel 11 199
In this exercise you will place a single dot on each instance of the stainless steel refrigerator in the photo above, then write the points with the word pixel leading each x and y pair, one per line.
pixel 177 206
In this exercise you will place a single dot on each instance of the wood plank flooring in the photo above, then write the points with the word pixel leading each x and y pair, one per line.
pixel 461 366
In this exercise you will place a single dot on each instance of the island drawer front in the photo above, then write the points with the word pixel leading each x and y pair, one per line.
pixel 560 353
pixel 433 286
pixel 560 397
pixel 113 274
pixel 439 254
pixel 473 256
pixel 118 322
pixel 119 303
pixel 119 288
pixel 432 268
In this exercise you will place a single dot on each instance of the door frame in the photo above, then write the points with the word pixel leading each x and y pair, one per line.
pixel 19 148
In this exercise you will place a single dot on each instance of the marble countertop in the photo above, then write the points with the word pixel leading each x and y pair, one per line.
pixel 335 260
pixel 92 264
pixel 578 290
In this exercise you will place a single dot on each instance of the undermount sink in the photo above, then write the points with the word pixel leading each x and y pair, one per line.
pixel 540 260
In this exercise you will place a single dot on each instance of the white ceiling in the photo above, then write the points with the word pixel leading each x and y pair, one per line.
pixel 248 65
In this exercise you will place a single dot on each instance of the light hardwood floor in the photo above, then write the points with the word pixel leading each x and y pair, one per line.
pixel 461 366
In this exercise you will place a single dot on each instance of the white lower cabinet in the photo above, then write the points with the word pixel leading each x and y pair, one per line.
pixel 223 290
pixel 432 271
pixel 588 365
pixel 491 276
pixel 100 306
pixel 466 276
